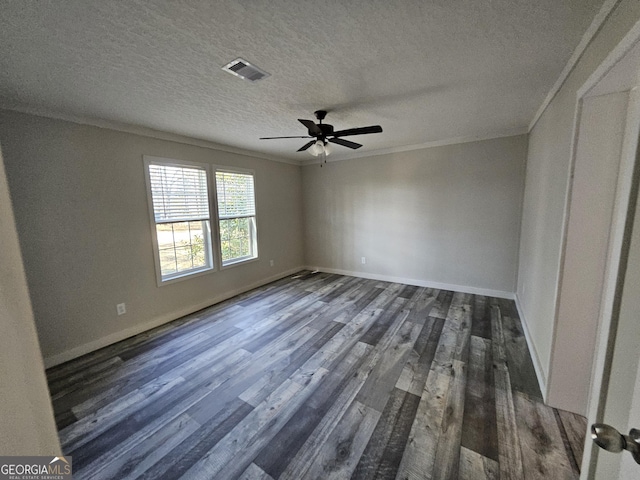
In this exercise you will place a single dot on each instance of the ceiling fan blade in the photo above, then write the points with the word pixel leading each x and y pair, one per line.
pixel 312 127
pixel 344 143
pixel 358 131
pixel 274 138
pixel 305 146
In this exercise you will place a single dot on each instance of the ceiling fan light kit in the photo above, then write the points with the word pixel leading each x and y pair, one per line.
pixel 324 133
pixel 319 147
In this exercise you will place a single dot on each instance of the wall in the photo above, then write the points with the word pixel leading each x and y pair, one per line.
pixel 81 211
pixel 547 178
pixel 591 212
pixel 26 416
pixel 438 216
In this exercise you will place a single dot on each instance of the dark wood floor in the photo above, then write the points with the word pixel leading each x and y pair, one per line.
pixel 319 376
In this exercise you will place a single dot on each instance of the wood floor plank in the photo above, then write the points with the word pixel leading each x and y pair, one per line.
pixel 339 455
pixel 93 457
pixel 415 373
pixel 239 376
pixel 576 428
pixel 372 335
pixel 105 421
pixel 70 382
pixel 372 455
pixel 440 307
pixel 131 376
pixel 419 455
pixel 201 385
pixel 233 453
pixel 479 427
pixel 308 452
pixel 376 390
pixel 344 285
pixel 191 449
pixel 509 452
pixel 351 333
pixel 293 435
pixel 92 424
pixel 254 472
pixel 521 369
pixel 268 382
pixel 421 304
pixel 318 375
pixel 394 448
pixel 448 449
pixel 154 450
pixel 481 323
pixel 461 309
pixel 474 466
pixel 543 451
pixel 408 291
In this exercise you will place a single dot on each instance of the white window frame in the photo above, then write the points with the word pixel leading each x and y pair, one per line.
pixel 213 219
pixel 214 241
pixel 241 260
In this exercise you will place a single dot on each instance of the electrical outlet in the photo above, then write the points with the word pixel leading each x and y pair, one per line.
pixel 364 260
pixel 271 264
pixel 121 308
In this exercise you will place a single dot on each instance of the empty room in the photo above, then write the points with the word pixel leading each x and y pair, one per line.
pixel 319 240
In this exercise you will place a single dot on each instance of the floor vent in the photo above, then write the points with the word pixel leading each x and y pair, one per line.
pixel 243 69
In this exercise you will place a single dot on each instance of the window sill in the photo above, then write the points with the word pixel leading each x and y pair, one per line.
pixel 185 276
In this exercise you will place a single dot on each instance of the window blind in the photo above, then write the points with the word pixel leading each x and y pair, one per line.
pixel 236 196
pixel 178 193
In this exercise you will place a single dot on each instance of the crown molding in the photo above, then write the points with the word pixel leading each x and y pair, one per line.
pixel 601 17
pixel 421 146
pixel 140 130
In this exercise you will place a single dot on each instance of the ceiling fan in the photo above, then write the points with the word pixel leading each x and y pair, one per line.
pixel 323 133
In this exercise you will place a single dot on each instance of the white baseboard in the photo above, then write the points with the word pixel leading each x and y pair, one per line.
pixel 76 352
pixel 419 283
pixel 542 378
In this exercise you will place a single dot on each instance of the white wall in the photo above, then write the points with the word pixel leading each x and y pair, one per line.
pixel 26 416
pixel 444 215
pixel 596 169
pixel 80 205
pixel 547 178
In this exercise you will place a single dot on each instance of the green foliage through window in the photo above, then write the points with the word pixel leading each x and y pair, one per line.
pixel 236 211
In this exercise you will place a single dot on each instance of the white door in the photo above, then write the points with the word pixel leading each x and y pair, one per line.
pixel 621 407
pixel 615 386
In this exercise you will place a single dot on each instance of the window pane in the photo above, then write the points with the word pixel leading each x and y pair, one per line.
pixel 235 194
pixel 168 261
pixel 237 239
pixel 179 198
pixel 183 246
pixel 183 258
pixel 178 193
pixel 165 236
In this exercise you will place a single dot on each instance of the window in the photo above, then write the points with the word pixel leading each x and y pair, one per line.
pixel 183 215
pixel 179 204
pixel 236 216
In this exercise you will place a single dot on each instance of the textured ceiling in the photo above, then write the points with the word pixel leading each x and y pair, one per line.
pixel 427 71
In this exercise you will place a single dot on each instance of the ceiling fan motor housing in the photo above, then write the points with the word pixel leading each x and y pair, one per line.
pixel 326 130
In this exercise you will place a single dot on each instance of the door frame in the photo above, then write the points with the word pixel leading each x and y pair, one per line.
pixel 614 269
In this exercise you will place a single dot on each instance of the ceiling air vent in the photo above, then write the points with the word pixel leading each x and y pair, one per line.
pixel 243 69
